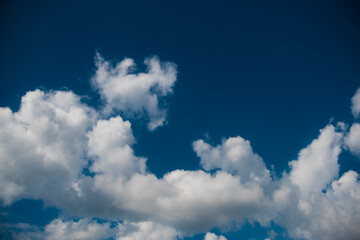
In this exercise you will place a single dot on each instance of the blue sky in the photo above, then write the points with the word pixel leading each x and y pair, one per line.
pixel 264 77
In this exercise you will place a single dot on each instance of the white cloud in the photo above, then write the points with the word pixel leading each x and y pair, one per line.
pixel 87 229
pixel 317 164
pixel 122 189
pixel 235 156
pixel 355 108
pixel 47 143
pixel 78 230
pixel 136 93
pixel 146 231
pixel 55 139
pixel 205 200
pixel 202 200
pixel 213 236
pixel 42 145
pixel 110 143
pixel 311 202
pixel 352 139
pixel 330 215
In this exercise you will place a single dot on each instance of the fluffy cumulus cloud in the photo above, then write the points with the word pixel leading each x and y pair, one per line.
pixel 82 161
pixel 110 144
pixel 235 156
pixel 136 93
pixel 352 139
pixel 313 203
pixel 317 164
pixel 202 200
pixel 42 145
pixel 213 236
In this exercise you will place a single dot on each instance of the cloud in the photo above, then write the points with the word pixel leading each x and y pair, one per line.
pixel 213 236
pixel 329 215
pixel 317 164
pixel 352 139
pixel 355 100
pixel 59 139
pixel 78 230
pixel 60 150
pixel 146 231
pixel 135 93
pixel 87 229
pixel 235 156
pixel 42 145
pixel 202 200
pixel 312 203
pixel 110 143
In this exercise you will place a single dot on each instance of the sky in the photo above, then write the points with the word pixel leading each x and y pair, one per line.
pixel 159 120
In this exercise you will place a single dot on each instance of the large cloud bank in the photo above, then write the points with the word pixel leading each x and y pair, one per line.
pixel 46 145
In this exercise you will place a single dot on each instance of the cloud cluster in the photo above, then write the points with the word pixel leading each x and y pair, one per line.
pixel 312 202
pixel 86 229
pixel 82 229
pixel 57 149
pixel 45 147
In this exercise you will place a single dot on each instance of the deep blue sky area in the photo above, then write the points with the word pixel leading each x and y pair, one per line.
pixel 272 72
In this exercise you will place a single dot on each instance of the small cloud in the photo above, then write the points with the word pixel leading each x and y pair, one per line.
pixel 213 236
pixel 355 107
pixel 135 93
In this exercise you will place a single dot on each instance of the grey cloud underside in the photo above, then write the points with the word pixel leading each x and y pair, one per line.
pixel 47 143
